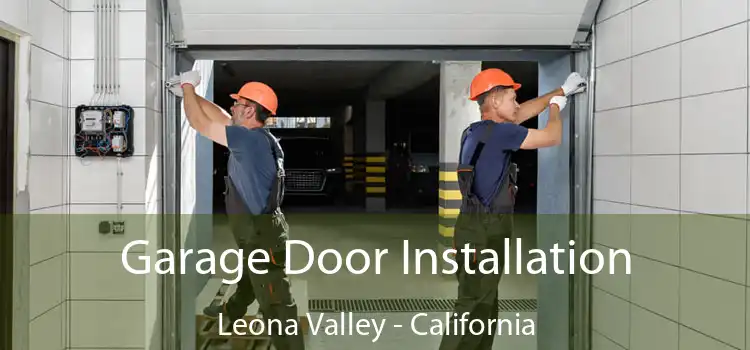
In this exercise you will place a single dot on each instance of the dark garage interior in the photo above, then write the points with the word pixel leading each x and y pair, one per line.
pixel 321 120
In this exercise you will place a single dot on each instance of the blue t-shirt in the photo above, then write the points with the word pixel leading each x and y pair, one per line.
pixel 252 166
pixel 490 167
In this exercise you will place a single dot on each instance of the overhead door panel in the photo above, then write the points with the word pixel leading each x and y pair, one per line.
pixel 386 22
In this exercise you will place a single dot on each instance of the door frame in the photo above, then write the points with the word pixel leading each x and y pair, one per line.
pixel 7 175
pixel 570 308
pixel 581 167
pixel 170 236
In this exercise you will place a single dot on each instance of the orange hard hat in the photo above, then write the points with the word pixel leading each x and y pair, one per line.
pixel 259 93
pixel 488 79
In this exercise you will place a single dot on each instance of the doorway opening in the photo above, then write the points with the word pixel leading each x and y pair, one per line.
pixel 310 83
pixel 7 137
pixel 328 141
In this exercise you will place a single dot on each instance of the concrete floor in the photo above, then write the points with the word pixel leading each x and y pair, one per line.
pixel 347 231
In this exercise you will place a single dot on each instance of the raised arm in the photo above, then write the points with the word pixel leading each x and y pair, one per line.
pixel 211 110
pixel 573 84
pixel 551 135
pixel 214 112
pixel 206 124
pixel 532 108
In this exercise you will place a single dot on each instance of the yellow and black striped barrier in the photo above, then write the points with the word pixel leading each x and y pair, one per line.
pixel 348 166
pixel 375 170
pixel 354 168
pixel 449 202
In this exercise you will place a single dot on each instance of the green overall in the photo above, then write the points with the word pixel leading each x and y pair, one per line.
pixel 481 227
pixel 268 231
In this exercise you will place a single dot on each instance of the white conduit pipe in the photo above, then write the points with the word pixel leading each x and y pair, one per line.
pixel 116 45
pixel 98 55
pixel 103 33
pixel 107 52
pixel 102 43
pixel 102 39
pixel 96 50
pixel 103 58
pixel 111 52
pixel 108 40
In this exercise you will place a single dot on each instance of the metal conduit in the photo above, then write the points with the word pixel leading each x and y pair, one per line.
pixel 583 209
pixel 170 174
pixel 588 190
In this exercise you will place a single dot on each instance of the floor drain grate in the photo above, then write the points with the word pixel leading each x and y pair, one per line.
pixel 409 305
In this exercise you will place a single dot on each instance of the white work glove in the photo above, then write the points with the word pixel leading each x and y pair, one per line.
pixel 574 84
pixel 174 85
pixel 560 101
pixel 192 77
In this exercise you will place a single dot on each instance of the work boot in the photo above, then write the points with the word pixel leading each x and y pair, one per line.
pixel 226 310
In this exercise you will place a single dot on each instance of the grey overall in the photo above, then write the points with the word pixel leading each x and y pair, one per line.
pixel 482 227
pixel 267 231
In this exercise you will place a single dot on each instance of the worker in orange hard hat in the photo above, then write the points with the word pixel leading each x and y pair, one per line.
pixel 487 182
pixel 254 192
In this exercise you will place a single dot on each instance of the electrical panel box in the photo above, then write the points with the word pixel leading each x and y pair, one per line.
pixel 104 131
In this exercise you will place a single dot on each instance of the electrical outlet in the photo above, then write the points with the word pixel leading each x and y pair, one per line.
pixel 118 227
pixel 104 227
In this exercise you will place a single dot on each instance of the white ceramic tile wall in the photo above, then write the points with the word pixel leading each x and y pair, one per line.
pixel 654 286
pixel 671 131
pixel 101 276
pixel 613 130
pixel 652 331
pixel 16 13
pixel 654 30
pixel 655 234
pixel 132 35
pixel 94 180
pixel 76 279
pixel 653 128
pixel 46 332
pixel 100 287
pixel 727 175
pixel 723 318
pixel 84 236
pixel 700 17
pixel 715 61
pixel 698 249
pixel 93 324
pixel 617 49
pixel 611 316
pixel 655 76
pixel 611 227
pixel 692 340
pixel 601 342
pixel 705 121
pixel 653 181
pixel 46 285
pixel 48 236
pixel 618 283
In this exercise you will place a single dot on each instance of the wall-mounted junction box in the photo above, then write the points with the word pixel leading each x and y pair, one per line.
pixel 116 227
pixel 105 131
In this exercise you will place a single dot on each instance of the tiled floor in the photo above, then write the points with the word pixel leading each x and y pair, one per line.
pixel 345 232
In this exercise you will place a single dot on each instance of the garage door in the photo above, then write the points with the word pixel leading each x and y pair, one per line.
pixel 382 22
